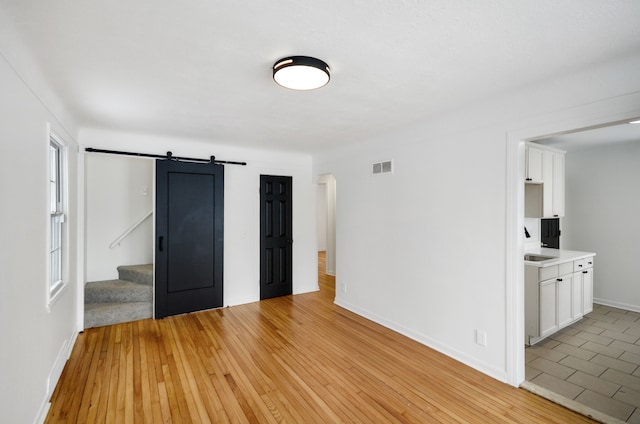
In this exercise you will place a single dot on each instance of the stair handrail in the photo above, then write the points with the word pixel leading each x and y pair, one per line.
pixel 128 231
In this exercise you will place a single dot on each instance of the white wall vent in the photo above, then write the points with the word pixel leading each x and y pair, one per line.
pixel 382 167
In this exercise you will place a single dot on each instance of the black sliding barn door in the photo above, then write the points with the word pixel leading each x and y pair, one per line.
pixel 276 237
pixel 189 237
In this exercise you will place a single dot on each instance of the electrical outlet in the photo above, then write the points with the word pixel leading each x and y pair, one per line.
pixel 344 288
pixel 145 190
pixel 481 337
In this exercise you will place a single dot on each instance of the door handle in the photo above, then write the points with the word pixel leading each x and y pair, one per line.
pixel 161 244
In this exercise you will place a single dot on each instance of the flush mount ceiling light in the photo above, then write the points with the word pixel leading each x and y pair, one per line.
pixel 301 73
pixel 637 121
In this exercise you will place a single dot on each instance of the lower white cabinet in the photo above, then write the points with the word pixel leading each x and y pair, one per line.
pixel 577 298
pixel 556 296
pixel 587 290
pixel 565 300
pixel 548 310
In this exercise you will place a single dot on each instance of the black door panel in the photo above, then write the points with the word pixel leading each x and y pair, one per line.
pixel 276 251
pixel 189 232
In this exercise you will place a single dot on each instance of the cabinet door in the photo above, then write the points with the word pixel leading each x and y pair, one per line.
pixel 565 299
pixel 587 291
pixel 548 310
pixel 553 184
pixel 547 186
pixel 534 164
pixel 576 295
pixel 558 185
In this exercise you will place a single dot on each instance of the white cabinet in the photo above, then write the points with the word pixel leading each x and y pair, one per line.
pixel 577 297
pixel 584 278
pixel 587 291
pixel 553 185
pixel 556 296
pixel 544 188
pixel 565 300
pixel 548 310
pixel 533 167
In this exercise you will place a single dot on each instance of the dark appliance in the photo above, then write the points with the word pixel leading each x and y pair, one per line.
pixel 550 233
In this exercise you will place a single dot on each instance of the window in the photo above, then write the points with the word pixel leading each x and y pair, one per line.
pixel 56 210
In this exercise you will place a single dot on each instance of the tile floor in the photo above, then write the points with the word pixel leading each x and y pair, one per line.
pixel 595 362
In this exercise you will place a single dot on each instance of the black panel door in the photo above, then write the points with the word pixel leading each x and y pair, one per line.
pixel 276 236
pixel 189 237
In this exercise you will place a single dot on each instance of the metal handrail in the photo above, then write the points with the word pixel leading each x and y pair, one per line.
pixel 130 229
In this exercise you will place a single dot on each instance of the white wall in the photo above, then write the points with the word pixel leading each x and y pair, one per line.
pixel 424 250
pixel 242 206
pixel 115 200
pixel 36 336
pixel 533 227
pixel 602 216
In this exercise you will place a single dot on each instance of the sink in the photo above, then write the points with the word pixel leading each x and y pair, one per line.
pixel 537 258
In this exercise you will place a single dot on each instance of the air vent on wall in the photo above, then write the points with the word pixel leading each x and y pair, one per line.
pixel 382 167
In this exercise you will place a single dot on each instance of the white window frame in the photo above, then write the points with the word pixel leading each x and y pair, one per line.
pixel 57 229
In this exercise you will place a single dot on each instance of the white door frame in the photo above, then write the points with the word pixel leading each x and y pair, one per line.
pixel 596 114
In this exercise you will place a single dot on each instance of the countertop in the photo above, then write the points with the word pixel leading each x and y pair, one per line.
pixel 559 256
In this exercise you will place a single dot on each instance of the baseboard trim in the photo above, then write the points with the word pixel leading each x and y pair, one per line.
pixel 54 376
pixel 44 410
pixel 498 374
pixel 619 305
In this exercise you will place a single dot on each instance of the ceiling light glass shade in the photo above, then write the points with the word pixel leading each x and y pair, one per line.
pixel 301 73
pixel 637 121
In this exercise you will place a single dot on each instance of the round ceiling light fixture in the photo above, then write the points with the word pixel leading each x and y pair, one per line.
pixel 301 73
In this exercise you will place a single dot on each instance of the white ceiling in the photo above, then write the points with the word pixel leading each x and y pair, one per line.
pixel 202 68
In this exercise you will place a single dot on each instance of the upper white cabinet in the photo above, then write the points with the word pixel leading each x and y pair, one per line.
pixel 533 167
pixel 553 185
pixel 544 188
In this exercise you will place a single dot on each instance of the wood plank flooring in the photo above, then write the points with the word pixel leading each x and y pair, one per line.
pixel 294 359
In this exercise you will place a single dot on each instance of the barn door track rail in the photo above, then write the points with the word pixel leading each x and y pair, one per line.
pixel 168 156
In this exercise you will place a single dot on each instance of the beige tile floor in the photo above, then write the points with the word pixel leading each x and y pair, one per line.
pixel 595 362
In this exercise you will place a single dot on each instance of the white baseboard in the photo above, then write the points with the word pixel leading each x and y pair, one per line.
pixel 54 376
pixel 619 305
pixel 44 410
pixel 498 374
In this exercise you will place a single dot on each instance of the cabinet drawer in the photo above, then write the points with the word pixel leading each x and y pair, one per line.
pixel 582 264
pixel 588 262
pixel 566 268
pixel 548 272
pixel 578 265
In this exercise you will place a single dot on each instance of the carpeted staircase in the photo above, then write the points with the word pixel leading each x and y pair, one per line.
pixel 114 301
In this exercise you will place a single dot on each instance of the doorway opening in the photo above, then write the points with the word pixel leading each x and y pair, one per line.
pixel 118 277
pixel 326 221
pixel 587 358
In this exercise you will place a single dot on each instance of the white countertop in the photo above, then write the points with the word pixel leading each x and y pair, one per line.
pixel 559 256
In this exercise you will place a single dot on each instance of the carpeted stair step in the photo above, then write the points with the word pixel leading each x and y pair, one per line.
pixel 117 291
pixel 142 274
pixel 100 314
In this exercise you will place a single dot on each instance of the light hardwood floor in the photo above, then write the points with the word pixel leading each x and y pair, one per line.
pixel 295 359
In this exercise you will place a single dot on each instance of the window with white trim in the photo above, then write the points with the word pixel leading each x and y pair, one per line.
pixel 56 208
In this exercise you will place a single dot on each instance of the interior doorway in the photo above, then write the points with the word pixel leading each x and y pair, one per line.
pixel 574 365
pixel 595 114
pixel 326 220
